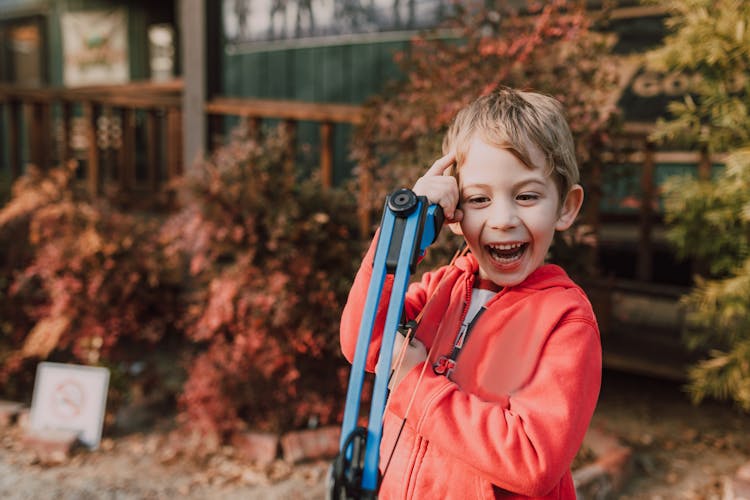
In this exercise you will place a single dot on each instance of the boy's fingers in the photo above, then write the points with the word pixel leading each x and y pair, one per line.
pixel 458 216
pixel 440 190
pixel 441 164
pixel 449 206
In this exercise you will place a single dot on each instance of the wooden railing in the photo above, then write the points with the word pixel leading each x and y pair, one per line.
pixel 326 115
pixel 47 126
pixel 291 113
pixel 140 125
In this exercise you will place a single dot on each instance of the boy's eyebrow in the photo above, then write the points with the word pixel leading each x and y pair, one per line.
pixel 522 182
pixel 475 185
pixel 532 180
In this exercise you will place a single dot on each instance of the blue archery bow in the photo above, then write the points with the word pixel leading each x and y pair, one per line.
pixel 408 227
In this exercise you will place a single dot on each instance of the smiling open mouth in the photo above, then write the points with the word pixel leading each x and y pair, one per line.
pixel 507 253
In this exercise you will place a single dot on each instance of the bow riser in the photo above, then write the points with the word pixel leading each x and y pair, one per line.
pixel 408 227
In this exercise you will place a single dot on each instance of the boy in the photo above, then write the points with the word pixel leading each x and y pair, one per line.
pixel 514 364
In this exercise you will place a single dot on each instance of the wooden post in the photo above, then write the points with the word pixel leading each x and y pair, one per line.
pixel 127 159
pixel 43 113
pixel 290 155
pixel 592 215
pixel 36 115
pixel 174 143
pixel 33 131
pixel 192 20
pixel 644 270
pixel 67 126
pixel 215 124
pixel 152 149
pixel 326 154
pixel 254 127
pixel 92 170
pixel 14 139
pixel 704 165
pixel 365 190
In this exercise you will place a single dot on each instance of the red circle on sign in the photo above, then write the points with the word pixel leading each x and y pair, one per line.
pixel 68 399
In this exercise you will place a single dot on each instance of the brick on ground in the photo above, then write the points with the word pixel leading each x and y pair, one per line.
pixel 9 411
pixel 609 471
pixel 739 486
pixel 310 444
pixel 257 447
pixel 50 446
pixel 23 418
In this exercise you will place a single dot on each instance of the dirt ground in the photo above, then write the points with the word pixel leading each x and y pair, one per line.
pixel 680 452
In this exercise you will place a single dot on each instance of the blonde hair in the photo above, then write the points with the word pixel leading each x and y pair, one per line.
pixel 515 121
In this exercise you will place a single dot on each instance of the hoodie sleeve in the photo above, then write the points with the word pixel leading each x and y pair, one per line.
pixel 416 297
pixel 527 441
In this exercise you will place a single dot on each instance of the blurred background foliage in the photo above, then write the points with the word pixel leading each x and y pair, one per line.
pixel 709 219
pixel 225 309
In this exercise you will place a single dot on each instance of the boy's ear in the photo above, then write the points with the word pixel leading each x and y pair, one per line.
pixel 570 208
pixel 456 228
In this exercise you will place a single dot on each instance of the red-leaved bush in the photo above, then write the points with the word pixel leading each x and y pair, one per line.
pixel 551 47
pixel 236 295
pixel 88 282
pixel 270 263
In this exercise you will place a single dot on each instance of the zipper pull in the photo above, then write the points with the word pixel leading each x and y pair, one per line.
pixel 461 335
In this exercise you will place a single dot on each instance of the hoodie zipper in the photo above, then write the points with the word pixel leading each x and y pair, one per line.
pixel 467 303
pixel 463 333
pixel 446 364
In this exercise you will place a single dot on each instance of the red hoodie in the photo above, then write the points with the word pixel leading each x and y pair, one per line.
pixel 509 419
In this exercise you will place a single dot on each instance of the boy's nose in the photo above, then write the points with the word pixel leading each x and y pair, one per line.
pixel 504 216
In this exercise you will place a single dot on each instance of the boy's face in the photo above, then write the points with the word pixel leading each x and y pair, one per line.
pixel 510 211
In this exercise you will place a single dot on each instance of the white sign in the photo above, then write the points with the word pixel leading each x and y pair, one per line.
pixel 95 47
pixel 71 398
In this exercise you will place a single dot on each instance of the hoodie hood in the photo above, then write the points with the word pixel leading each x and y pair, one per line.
pixel 546 276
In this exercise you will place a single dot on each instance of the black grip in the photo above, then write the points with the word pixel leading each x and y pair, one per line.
pixel 439 219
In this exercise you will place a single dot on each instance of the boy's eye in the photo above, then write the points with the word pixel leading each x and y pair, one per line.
pixel 476 199
pixel 527 197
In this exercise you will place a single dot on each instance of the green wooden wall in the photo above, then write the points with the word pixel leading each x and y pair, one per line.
pixel 335 74
pixel 343 73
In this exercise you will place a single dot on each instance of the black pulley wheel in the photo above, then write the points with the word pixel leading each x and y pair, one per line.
pixel 402 202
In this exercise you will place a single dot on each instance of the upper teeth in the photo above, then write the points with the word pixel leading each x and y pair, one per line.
pixel 507 246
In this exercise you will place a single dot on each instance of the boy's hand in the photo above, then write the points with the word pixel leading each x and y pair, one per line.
pixel 414 355
pixel 441 189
